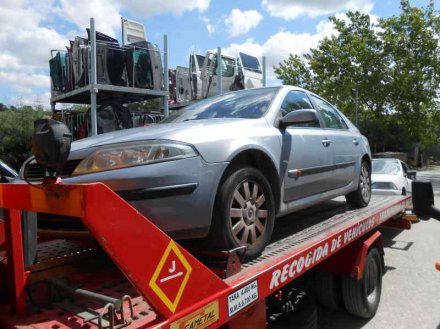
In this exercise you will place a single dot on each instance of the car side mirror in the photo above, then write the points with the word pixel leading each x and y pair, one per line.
pixel 423 200
pixel 411 174
pixel 300 117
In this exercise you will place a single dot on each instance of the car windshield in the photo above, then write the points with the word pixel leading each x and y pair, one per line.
pixel 246 104
pixel 386 167
pixel 7 171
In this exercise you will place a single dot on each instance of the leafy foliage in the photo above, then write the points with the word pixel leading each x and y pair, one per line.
pixel 16 128
pixel 393 68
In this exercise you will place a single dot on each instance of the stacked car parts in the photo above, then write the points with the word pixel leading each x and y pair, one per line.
pixel 136 65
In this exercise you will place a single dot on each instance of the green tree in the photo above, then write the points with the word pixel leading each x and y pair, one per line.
pixel 16 128
pixel 393 67
pixel 411 45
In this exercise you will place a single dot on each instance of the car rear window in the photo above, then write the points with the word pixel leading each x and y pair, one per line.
pixel 246 104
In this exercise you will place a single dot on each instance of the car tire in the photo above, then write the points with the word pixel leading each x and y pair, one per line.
pixel 362 195
pixel 244 213
pixel 362 297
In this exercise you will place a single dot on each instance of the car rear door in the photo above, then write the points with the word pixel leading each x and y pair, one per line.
pixel 345 144
pixel 306 157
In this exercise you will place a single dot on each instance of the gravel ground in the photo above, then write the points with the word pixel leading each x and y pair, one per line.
pixel 411 284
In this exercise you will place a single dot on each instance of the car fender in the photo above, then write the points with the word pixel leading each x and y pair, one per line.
pixel 241 146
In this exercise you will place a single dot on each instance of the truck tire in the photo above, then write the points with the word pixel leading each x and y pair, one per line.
pixel 244 213
pixel 303 316
pixel 361 197
pixel 362 297
pixel 327 286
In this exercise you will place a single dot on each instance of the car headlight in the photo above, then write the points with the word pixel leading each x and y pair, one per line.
pixel 133 154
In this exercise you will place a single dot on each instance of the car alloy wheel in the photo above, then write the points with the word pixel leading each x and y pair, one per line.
pixel 365 183
pixel 244 213
pixel 362 195
pixel 248 213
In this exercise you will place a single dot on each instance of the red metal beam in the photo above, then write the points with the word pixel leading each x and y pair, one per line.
pixel 359 265
pixel 276 272
pixel 17 276
pixel 56 199
pixel 253 318
pixel 166 274
pixel 351 260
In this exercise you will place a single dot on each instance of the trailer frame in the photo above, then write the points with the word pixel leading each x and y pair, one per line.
pixel 168 276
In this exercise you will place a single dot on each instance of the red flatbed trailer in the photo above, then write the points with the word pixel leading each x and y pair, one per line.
pixel 144 279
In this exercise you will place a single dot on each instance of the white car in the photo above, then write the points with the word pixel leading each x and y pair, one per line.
pixel 391 176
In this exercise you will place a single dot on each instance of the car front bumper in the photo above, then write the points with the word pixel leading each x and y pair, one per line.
pixel 178 196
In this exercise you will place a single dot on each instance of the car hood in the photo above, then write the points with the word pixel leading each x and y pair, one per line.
pixel 191 132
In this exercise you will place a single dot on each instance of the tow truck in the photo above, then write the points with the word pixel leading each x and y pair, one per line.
pixel 131 274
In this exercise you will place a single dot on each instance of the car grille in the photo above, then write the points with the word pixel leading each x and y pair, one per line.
pixel 35 172
pixel 383 186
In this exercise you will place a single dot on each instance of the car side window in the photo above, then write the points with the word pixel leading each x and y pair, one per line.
pixel 228 66
pixel 329 115
pixel 404 167
pixel 297 100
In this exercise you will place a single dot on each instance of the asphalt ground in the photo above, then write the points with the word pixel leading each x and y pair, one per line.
pixel 411 284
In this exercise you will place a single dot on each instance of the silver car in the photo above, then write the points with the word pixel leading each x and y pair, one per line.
pixel 223 168
pixel 7 174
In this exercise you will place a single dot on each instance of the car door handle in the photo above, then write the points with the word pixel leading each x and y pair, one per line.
pixel 355 142
pixel 326 142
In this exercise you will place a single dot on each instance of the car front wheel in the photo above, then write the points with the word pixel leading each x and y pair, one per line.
pixel 244 212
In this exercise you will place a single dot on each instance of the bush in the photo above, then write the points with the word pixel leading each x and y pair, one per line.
pixel 16 128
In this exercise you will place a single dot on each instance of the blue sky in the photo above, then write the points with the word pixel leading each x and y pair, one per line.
pixel 273 28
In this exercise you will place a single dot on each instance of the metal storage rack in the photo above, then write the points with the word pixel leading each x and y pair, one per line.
pixel 94 93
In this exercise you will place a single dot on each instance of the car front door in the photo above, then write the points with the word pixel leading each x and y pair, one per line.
pixel 306 156
pixel 345 144
pixel 211 71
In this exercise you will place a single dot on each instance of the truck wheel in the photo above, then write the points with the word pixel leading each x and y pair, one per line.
pixel 328 290
pixel 244 212
pixel 361 297
pixel 361 197
pixel 299 313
